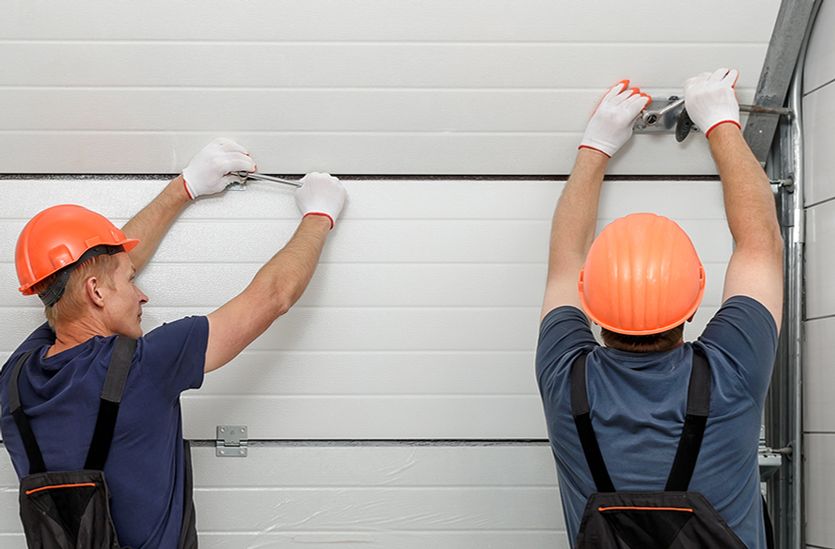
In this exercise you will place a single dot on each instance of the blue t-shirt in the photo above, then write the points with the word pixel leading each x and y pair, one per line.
pixel 638 405
pixel 145 469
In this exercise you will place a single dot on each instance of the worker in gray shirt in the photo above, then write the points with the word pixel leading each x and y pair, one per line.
pixel 648 417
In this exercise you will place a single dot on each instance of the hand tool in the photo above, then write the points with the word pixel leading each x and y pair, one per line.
pixel 262 177
pixel 255 176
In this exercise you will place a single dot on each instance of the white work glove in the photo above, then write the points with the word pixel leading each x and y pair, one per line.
pixel 611 123
pixel 710 99
pixel 209 170
pixel 321 194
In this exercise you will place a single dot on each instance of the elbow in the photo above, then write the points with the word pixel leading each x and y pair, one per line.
pixel 269 301
pixel 767 242
pixel 779 245
pixel 283 299
pixel 774 241
pixel 265 312
pixel 278 302
pixel 281 306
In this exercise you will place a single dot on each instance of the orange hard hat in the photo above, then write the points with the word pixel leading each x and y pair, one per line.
pixel 58 237
pixel 642 276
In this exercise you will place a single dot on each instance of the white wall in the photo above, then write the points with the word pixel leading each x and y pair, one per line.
pixel 421 321
pixel 352 86
pixel 420 324
pixel 392 497
pixel 819 376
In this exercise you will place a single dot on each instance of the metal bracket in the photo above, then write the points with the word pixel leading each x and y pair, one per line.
pixel 231 441
pixel 787 183
pixel 770 462
pixel 662 117
pixel 668 115
pixel 236 186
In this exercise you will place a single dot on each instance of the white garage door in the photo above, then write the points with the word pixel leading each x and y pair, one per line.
pixel 395 405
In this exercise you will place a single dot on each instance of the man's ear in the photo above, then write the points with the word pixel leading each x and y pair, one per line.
pixel 93 291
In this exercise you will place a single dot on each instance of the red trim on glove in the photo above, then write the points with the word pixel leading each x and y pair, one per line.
pixel 185 186
pixel 593 149
pixel 323 214
pixel 713 127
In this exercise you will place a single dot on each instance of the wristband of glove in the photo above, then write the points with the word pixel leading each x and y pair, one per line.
pixel 322 214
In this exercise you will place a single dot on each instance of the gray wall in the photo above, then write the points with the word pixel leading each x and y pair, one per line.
pixel 819 364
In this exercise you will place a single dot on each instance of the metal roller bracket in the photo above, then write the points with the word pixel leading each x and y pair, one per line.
pixel 662 117
pixel 770 460
pixel 668 115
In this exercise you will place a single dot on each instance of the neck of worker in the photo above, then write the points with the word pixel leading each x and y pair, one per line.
pixel 72 333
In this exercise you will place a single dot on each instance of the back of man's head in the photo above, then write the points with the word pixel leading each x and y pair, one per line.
pixel 60 250
pixel 74 302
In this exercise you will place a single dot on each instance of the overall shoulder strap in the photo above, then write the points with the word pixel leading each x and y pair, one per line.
pixel 582 419
pixel 698 409
pixel 30 444
pixel 111 397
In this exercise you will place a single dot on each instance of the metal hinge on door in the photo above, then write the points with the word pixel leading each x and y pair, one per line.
pixel 231 441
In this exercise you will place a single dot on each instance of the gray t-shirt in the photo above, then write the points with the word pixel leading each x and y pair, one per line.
pixel 638 406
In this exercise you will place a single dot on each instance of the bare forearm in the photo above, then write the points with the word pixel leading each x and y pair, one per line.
pixel 749 201
pixel 575 217
pixel 152 223
pixel 275 288
pixel 283 279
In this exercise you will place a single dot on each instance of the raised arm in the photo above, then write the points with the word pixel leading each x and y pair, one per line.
pixel 207 173
pixel 154 220
pixel 756 265
pixel 575 217
pixel 283 279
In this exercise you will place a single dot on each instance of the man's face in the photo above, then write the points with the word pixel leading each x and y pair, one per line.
pixel 124 300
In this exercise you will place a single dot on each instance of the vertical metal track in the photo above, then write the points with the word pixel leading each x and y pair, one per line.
pixel 796 245
pixel 787 41
pixel 780 405
pixel 784 417
pixel 796 248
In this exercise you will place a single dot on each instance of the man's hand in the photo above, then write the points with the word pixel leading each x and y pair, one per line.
pixel 209 170
pixel 611 123
pixel 321 194
pixel 710 99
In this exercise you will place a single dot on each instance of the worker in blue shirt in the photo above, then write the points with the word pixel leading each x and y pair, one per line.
pixel 641 280
pixel 83 269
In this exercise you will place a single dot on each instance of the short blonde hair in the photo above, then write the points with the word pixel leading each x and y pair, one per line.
pixel 71 302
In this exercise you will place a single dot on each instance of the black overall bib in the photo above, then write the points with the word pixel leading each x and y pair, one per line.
pixel 71 509
pixel 673 519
